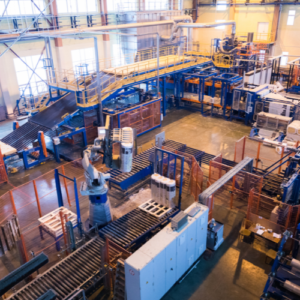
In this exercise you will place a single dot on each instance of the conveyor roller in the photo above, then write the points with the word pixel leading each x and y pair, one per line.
pixel 72 273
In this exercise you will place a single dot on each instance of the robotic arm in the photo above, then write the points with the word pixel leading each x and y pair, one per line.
pixel 94 178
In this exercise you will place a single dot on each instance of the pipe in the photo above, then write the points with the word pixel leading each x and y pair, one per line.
pixel 208 25
pixel 292 287
pixel 175 27
pixel 173 22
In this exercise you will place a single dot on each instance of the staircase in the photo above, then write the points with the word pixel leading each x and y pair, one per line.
pixel 119 291
pixel 38 105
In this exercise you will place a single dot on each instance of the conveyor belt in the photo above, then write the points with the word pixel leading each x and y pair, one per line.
pixel 68 275
pixel 141 167
pixel 133 227
pixel 184 148
pixel 25 135
pixel 52 115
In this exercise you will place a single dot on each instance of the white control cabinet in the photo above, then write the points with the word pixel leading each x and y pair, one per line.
pixel 154 268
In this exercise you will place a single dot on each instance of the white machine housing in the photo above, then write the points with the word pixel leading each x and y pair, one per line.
pixel 154 186
pixel 170 193
pixel 126 149
pixel 163 190
pixel 293 131
pixel 155 267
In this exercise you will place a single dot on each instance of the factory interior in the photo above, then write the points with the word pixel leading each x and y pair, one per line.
pixel 149 149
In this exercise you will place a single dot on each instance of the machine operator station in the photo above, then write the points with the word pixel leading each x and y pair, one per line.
pixel 149 149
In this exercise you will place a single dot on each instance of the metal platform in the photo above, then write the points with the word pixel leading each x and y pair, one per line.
pixel 79 270
pixel 134 227
pixel 23 137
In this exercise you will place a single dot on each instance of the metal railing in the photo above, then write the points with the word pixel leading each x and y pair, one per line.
pixel 137 74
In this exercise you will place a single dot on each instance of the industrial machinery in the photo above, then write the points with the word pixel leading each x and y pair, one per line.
pixel 283 281
pixel 95 186
pixel 214 234
pixel 156 266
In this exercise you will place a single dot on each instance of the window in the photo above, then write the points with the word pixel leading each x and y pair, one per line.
pixel 83 56
pixel 291 17
pixel 221 26
pixel 284 59
pixel 21 7
pixel 221 5
pixel 157 5
pixel 76 6
pixel 262 54
pixel 118 55
pixel 36 85
pixel 119 5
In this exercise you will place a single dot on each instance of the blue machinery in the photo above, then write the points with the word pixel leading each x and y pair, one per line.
pixel 58 139
pixel 142 165
pixel 243 102
pixel 137 226
pixel 60 197
pixel 216 84
pixel 40 150
pixel 283 281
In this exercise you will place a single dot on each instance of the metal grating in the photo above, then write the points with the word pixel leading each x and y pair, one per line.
pixel 23 137
pixel 70 274
pixel 184 148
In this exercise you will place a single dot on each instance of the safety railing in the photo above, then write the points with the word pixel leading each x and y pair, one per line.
pixel 36 103
pixel 258 37
pixel 272 214
pixel 265 156
pixel 137 73
pixel 74 79
pixel 222 61
pixel 33 200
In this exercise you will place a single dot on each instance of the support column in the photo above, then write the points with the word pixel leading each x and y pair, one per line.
pixel 195 11
pixel 58 42
pixel 4 84
pixel 231 17
pixel 105 37
pixel 142 5
pixel 275 22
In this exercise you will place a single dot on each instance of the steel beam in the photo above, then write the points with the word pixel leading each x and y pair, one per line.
pixel 22 272
pixel 245 163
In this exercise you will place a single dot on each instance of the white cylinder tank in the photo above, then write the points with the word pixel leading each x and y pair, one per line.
pixel 170 193
pixel 158 191
pixel 126 149
pixel 154 186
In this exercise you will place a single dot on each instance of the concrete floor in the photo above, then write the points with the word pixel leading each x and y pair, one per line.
pixel 212 135
pixel 236 270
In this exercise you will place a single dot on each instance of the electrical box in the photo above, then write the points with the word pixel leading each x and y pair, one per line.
pixel 214 235
pixel 155 267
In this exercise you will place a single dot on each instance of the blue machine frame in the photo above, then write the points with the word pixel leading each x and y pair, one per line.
pixel 226 79
pixel 246 112
pixel 69 135
pixel 159 162
pixel 41 158
pixel 60 198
